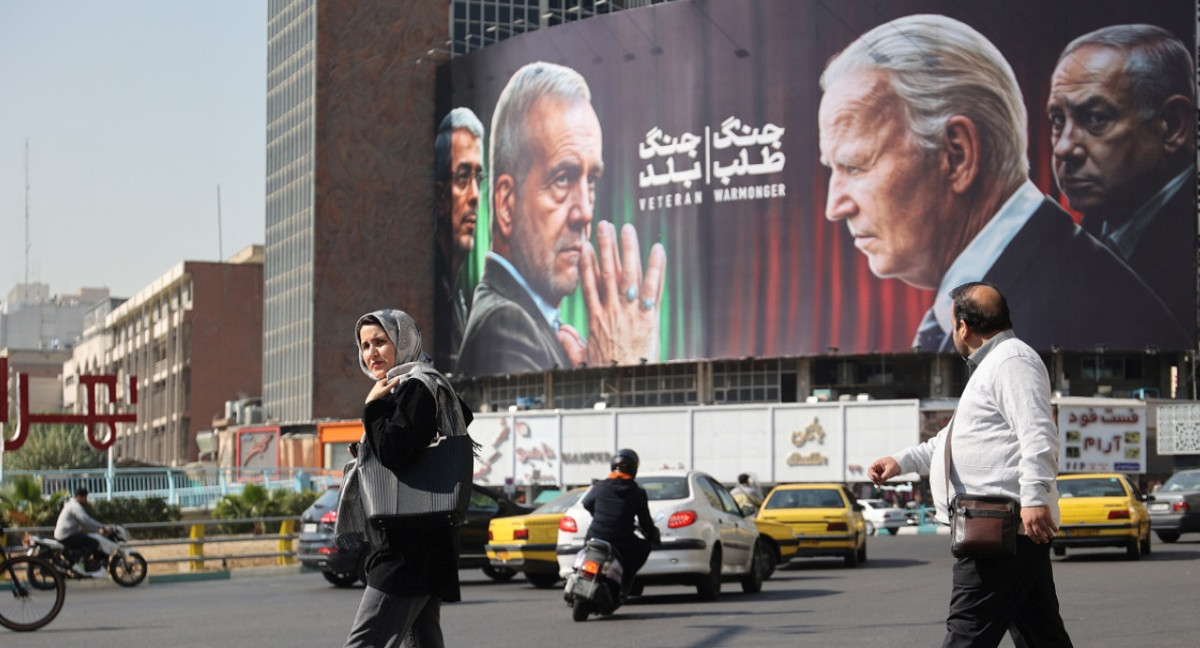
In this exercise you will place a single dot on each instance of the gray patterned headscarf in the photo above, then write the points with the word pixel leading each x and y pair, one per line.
pixel 402 330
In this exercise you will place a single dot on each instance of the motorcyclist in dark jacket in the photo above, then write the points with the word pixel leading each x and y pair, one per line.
pixel 614 503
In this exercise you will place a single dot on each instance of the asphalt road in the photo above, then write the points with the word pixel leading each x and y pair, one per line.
pixel 896 599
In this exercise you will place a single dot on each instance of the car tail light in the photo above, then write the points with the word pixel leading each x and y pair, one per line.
pixel 567 524
pixel 837 526
pixel 521 534
pixel 329 518
pixel 590 568
pixel 681 519
pixel 1180 506
pixel 1122 514
pixel 490 536
pixel 327 551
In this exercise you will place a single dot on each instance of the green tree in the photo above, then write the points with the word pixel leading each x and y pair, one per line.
pixel 256 501
pixel 55 447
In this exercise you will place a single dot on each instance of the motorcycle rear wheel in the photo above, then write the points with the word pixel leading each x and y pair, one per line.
pixel 38 578
pixel 128 570
pixel 581 610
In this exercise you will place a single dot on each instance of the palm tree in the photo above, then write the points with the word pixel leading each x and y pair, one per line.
pixel 23 503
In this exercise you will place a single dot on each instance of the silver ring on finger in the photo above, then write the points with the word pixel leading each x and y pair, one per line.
pixel 631 293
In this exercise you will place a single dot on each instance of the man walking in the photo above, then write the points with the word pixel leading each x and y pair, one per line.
pixel 1005 443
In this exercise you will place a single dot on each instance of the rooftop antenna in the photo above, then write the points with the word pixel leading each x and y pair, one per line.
pixel 220 246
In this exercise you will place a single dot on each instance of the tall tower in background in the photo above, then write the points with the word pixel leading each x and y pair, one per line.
pixel 349 198
pixel 288 267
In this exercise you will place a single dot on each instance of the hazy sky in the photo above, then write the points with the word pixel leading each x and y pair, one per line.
pixel 135 111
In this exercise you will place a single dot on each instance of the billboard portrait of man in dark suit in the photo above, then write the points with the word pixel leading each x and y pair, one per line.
pixel 547 157
pixel 924 129
pixel 1122 127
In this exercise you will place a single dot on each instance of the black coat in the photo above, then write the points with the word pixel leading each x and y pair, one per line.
pixel 1067 289
pixel 407 560
pixel 614 504
pixel 506 333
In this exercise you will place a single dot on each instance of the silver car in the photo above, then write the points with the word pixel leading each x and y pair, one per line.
pixel 1175 507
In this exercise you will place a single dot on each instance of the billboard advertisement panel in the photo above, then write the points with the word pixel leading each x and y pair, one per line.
pixel 772 443
pixel 782 177
pixel 1102 437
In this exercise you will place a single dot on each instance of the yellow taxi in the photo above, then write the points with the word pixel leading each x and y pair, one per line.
pixel 1102 510
pixel 527 543
pixel 781 540
pixel 825 517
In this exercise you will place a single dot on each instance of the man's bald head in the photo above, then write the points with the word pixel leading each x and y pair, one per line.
pixel 982 307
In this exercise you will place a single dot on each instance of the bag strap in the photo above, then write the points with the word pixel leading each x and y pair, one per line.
pixel 949 432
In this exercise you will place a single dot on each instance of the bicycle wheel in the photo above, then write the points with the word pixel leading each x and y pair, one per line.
pixel 22 606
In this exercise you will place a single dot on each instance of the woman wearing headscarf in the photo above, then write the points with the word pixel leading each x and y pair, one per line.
pixel 413 566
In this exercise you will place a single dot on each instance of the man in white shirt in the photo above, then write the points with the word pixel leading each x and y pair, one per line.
pixel 1005 443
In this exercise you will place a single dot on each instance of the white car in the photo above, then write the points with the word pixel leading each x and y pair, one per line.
pixel 879 514
pixel 705 536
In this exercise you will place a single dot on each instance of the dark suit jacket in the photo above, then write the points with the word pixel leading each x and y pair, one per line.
pixel 505 331
pixel 1165 257
pixel 1066 288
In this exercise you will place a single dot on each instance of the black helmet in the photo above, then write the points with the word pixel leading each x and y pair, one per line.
pixel 625 461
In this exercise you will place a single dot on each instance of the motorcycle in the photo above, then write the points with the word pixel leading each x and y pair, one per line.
pixel 594 585
pixel 127 568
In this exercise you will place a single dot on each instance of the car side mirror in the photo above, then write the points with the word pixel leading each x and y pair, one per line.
pixel 1146 497
pixel 748 510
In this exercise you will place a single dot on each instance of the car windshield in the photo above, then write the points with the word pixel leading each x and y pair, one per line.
pixel 875 504
pixel 1106 487
pixel 1184 481
pixel 561 503
pixel 808 498
pixel 664 488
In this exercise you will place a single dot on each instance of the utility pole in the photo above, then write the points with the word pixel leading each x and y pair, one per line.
pixel 28 245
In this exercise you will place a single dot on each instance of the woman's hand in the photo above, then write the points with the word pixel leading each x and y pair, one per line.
pixel 382 387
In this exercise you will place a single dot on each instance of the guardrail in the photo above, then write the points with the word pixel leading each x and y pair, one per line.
pixel 186 487
pixel 197 539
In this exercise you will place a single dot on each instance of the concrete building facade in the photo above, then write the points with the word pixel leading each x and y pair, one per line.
pixel 193 340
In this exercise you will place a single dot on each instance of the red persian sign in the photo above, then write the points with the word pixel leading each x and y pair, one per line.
pixel 90 419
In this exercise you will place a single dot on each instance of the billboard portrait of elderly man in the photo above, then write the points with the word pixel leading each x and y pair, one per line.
pixel 458 160
pixel 923 127
pixel 546 155
pixel 1122 119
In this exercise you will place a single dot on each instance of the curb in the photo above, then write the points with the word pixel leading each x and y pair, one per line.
pixel 225 574
pixel 925 529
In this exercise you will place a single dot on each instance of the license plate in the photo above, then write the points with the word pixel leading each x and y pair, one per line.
pixel 1160 507
pixel 1082 533
pixel 309 527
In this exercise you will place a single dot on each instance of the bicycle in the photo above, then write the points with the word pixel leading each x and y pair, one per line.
pixel 24 608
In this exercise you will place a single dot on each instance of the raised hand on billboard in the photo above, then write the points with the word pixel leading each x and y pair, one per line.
pixel 623 303
pixel 573 343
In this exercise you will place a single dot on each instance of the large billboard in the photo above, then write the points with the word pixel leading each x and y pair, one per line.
pixel 785 177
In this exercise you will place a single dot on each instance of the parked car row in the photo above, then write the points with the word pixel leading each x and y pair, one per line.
pixel 316 548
